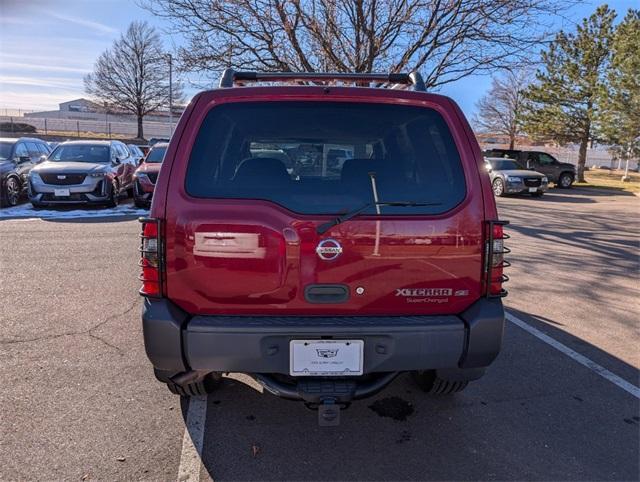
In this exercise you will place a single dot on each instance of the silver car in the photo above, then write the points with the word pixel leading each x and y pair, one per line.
pixel 83 172
pixel 509 177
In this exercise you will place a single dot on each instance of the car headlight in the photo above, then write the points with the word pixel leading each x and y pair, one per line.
pixel 96 174
pixel 514 179
pixel 545 179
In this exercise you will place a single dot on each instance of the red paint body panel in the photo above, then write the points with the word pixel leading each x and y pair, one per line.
pixel 256 257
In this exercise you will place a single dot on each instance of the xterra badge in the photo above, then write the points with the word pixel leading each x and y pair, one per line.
pixel 410 292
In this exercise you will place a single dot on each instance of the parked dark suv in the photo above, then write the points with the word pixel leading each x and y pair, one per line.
pixel 322 284
pixel 83 172
pixel 17 158
pixel 562 174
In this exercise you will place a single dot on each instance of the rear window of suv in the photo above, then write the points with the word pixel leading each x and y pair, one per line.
pixel 319 157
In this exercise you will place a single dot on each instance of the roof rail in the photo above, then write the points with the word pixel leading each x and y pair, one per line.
pixel 230 77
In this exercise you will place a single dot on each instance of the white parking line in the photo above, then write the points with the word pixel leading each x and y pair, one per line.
pixel 191 455
pixel 583 360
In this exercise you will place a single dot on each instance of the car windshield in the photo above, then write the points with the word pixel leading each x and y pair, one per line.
pixel 81 153
pixel 156 154
pixel 504 165
pixel 320 157
pixel 5 150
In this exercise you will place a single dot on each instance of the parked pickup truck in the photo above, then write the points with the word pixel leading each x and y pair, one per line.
pixel 562 174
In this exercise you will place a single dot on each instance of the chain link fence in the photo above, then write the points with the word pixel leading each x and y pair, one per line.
pixel 78 128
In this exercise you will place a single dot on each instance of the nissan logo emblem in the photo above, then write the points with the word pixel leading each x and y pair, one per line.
pixel 329 249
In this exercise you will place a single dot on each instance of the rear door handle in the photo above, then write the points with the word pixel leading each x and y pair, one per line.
pixel 325 293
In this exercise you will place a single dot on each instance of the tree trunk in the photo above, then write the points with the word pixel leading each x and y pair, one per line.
pixel 582 157
pixel 512 141
pixel 140 132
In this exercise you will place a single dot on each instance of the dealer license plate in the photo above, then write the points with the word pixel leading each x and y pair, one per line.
pixel 533 189
pixel 326 357
pixel 61 192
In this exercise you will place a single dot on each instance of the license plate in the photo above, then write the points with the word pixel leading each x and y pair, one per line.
pixel 533 189
pixel 325 357
pixel 61 192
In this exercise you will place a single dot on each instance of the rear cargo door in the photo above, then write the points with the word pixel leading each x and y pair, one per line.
pixel 244 222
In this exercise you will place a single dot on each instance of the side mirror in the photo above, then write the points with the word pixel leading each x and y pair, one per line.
pixel 42 159
pixel 116 161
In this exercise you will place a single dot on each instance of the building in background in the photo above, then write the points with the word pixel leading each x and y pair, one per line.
pixel 87 110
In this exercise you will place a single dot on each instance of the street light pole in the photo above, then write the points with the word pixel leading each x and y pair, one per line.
pixel 106 117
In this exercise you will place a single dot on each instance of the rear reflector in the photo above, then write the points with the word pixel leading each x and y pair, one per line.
pixel 150 258
pixel 494 259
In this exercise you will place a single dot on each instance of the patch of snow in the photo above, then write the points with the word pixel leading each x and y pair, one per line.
pixel 26 211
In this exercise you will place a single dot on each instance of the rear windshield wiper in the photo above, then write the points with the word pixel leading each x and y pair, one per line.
pixel 323 228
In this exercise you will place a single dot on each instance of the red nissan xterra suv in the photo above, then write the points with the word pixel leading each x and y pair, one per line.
pixel 322 276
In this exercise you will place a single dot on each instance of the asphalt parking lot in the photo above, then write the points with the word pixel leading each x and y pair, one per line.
pixel 80 401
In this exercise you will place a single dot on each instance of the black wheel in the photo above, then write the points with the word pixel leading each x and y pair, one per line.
pixel 11 194
pixel 537 194
pixel 498 187
pixel 207 385
pixel 130 192
pixel 429 382
pixel 140 204
pixel 114 196
pixel 565 180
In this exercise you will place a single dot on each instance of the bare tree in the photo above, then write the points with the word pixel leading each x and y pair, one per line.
pixel 447 40
pixel 132 76
pixel 500 110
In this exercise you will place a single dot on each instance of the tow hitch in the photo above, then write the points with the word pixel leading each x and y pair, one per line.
pixel 329 413
pixel 328 396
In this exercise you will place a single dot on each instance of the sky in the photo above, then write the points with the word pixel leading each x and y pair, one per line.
pixel 48 46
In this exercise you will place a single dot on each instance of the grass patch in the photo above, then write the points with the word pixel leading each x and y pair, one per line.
pixel 604 179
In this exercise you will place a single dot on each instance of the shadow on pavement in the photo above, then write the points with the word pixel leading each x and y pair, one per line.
pixel 536 415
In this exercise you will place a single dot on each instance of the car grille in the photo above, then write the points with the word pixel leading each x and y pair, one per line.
pixel 78 197
pixel 153 176
pixel 532 181
pixel 68 179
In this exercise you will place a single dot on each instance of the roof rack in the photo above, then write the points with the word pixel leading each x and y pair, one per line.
pixel 230 77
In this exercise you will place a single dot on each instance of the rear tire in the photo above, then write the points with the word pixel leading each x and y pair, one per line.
pixel 205 386
pixel 565 180
pixel 537 194
pixel 498 187
pixel 140 204
pixel 429 382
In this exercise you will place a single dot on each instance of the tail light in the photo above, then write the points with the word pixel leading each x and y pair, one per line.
pixel 494 262
pixel 151 258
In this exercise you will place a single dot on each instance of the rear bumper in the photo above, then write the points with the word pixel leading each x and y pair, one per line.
pixel 176 342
